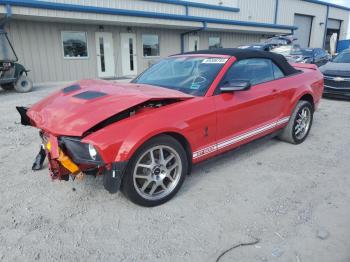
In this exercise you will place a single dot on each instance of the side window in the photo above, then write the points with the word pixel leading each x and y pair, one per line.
pixel 256 70
pixel 277 71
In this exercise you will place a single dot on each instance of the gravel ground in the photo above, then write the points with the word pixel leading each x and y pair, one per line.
pixel 294 199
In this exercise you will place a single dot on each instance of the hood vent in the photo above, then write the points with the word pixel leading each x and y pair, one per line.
pixel 90 95
pixel 69 89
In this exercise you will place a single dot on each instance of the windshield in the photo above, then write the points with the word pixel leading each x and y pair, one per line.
pixel 6 52
pixel 191 75
pixel 343 57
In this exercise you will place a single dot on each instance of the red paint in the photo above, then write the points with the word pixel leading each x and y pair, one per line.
pixel 226 116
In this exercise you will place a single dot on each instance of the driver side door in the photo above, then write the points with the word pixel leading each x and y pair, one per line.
pixel 244 115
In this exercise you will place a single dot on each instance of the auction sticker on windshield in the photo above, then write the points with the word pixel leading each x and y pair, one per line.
pixel 214 61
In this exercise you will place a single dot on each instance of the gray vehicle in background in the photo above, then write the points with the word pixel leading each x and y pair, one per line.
pixel 295 54
pixel 337 76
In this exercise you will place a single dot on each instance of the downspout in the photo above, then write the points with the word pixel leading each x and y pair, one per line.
pixel 276 11
pixel 189 32
pixel 186 9
pixel 325 28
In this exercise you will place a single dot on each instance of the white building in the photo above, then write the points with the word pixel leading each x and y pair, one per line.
pixel 73 39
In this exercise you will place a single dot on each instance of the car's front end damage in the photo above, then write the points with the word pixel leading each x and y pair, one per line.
pixel 68 156
pixel 70 117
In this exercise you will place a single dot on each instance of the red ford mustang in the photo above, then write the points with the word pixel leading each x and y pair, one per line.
pixel 144 136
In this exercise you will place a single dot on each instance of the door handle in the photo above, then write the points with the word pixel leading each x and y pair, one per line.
pixel 274 90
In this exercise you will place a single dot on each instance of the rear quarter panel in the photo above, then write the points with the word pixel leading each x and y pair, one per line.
pixel 308 82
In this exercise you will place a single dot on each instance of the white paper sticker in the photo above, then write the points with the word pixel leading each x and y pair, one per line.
pixel 214 61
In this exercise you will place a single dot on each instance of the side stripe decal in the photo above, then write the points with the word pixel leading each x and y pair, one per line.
pixel 237 139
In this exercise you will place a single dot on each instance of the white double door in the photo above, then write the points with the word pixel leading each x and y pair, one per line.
pixel 128 54
pixel 106 58
pixel 105 54
pixel 193 43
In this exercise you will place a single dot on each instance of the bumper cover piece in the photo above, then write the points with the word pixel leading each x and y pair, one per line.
pixel 337 93
pixel 39 160
pixel 112 178
pixel 25 120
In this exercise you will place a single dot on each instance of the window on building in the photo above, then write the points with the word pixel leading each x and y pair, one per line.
pixel 214 43
pixel 74 44
pixel 150 45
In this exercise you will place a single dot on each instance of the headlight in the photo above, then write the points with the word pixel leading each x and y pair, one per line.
pixel 92 152
pixel 81 153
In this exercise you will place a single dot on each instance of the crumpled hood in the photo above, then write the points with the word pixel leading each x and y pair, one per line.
pixel 77 108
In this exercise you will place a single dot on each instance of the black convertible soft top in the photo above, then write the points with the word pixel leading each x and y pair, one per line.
pixel 241 54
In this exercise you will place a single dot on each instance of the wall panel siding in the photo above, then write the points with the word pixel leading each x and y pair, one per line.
pixel 288 8
pixel 128 4
pixel 39 48
pixel 228 40
pixel 2 9
pixel 90 18
pixel 335 13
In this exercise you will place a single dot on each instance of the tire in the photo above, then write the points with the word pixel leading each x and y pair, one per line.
pixel 155 182
pixel 297 129
pixel 24 84
pixel 7 87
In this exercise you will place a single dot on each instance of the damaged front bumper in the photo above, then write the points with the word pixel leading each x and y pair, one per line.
pixel 70 157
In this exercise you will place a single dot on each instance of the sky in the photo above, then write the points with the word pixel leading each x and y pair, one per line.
pixel 343 3
pixel 339 2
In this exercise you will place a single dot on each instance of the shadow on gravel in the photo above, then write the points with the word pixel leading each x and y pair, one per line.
pixel 234 157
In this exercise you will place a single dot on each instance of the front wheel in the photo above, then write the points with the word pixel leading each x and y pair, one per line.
pixel 299 124
pixel 156 172
pixel 24 84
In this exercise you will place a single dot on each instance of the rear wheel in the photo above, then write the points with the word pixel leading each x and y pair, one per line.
pixel 24 84
pixel 299 124
pixel 156 172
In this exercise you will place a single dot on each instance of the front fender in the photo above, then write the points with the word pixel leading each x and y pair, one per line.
pixel 119 141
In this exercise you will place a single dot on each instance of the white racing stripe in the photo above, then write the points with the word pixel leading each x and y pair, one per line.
pixel 237 139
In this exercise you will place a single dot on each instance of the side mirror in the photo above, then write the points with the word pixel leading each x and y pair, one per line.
pixel 235 85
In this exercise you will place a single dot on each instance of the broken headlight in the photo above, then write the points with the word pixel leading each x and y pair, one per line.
pixel 81 153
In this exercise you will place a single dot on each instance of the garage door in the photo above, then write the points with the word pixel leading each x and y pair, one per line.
pixel 304 24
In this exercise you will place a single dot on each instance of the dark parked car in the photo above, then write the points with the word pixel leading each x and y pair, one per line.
pixel 270 43
pixel 259 46
pixel 295 54
pixel 337 76
pixel 316 56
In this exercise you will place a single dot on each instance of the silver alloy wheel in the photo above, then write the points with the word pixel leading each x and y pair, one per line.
pixel 157 172
pixel 303 122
